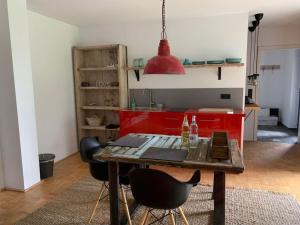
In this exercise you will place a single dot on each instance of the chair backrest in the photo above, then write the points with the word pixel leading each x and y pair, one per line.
pixel 158 190
pixel 88 146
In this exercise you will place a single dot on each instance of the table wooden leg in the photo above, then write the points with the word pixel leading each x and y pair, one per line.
pixel 219 198
pixel 114 193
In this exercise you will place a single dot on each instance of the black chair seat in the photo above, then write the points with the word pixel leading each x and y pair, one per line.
pixel 158 190
pixel 99 169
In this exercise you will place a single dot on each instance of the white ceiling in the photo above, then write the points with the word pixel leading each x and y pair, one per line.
pixel 93 12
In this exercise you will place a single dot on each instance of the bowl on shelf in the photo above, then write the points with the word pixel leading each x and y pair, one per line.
pixel 94 121
pixel 186 62
pixel 198 62
pixel 233 60
pixel 138 62
pixel 215 62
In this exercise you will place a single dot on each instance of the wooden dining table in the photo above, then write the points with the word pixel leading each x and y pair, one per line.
pixel 197 158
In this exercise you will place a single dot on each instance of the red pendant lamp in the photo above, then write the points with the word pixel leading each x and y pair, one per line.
pixel 164 62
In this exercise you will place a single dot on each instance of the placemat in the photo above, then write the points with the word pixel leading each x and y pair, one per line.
pixel 165 154
pixel 128 141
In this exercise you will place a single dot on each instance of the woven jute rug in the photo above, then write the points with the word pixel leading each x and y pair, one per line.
pixel 243 207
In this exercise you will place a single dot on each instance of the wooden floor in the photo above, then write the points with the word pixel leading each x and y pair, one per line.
pixel 269 166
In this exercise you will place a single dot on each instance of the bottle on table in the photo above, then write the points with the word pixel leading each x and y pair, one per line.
pixel 185 131
pixel 193 137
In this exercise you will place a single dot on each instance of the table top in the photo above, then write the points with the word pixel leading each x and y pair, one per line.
pixel 197 158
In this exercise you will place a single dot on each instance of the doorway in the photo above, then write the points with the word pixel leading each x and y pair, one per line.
pixel 279 95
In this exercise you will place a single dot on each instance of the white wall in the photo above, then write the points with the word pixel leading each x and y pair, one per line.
pixel 278 89
pixel 1 173
pixel 205 38
pixel 274 37
pixel 298 88
pixel 7 94
pixel 9 132
pixel 18 135
pixel 51 51
pixel 285 36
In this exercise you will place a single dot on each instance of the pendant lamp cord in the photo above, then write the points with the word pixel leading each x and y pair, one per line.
pixel 257 48
pixel 163 13
pixel 251 52
pixel 254 51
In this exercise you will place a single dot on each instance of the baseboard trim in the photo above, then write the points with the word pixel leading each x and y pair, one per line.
pixel 40 182
pixel 74 153
pixel 22 190
pixel 33 186
pixel 14 189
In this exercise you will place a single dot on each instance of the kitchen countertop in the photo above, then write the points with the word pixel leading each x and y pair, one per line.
pixel 183 110
pixel 252 106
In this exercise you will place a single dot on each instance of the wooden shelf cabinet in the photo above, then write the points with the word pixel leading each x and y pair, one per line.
pixel 99 88
pixel 108 108
pixel 93 65
pixel 107 68
pixel 98 128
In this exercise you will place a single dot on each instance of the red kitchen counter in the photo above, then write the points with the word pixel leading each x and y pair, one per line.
pixel 168 121
pixel 208 122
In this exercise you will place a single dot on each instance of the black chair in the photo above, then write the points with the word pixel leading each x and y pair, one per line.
pixel 99 170
pixel 158 190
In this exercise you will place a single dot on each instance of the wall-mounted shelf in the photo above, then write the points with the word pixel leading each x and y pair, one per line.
pixel 136 71
pixel 108 108
pixel 252 106
pixel 269 67
pixel 219 66
pixel 99 88
pixel 107 68
pixel 98 128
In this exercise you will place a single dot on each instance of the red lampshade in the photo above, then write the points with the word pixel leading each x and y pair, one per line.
pixel 164 63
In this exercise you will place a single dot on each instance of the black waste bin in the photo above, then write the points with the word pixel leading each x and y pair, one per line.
pixel 46 165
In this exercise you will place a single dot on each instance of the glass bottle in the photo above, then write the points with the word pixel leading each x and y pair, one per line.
pixel 194 133
pixel 185 131
pixel 133 104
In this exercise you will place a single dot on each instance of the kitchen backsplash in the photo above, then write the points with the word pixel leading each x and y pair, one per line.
pixel 194 98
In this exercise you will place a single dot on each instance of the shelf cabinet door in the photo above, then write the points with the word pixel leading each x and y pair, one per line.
pixel 150 122
pixel 134 122
pixel 211 121
pixel 172 122
pixel 233 124
pixel 168 123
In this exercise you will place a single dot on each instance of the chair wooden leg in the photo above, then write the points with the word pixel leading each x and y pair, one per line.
pixel 183 216
pixel 145 217
pixel 172 219
pixel 126 205
pixel 100 195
